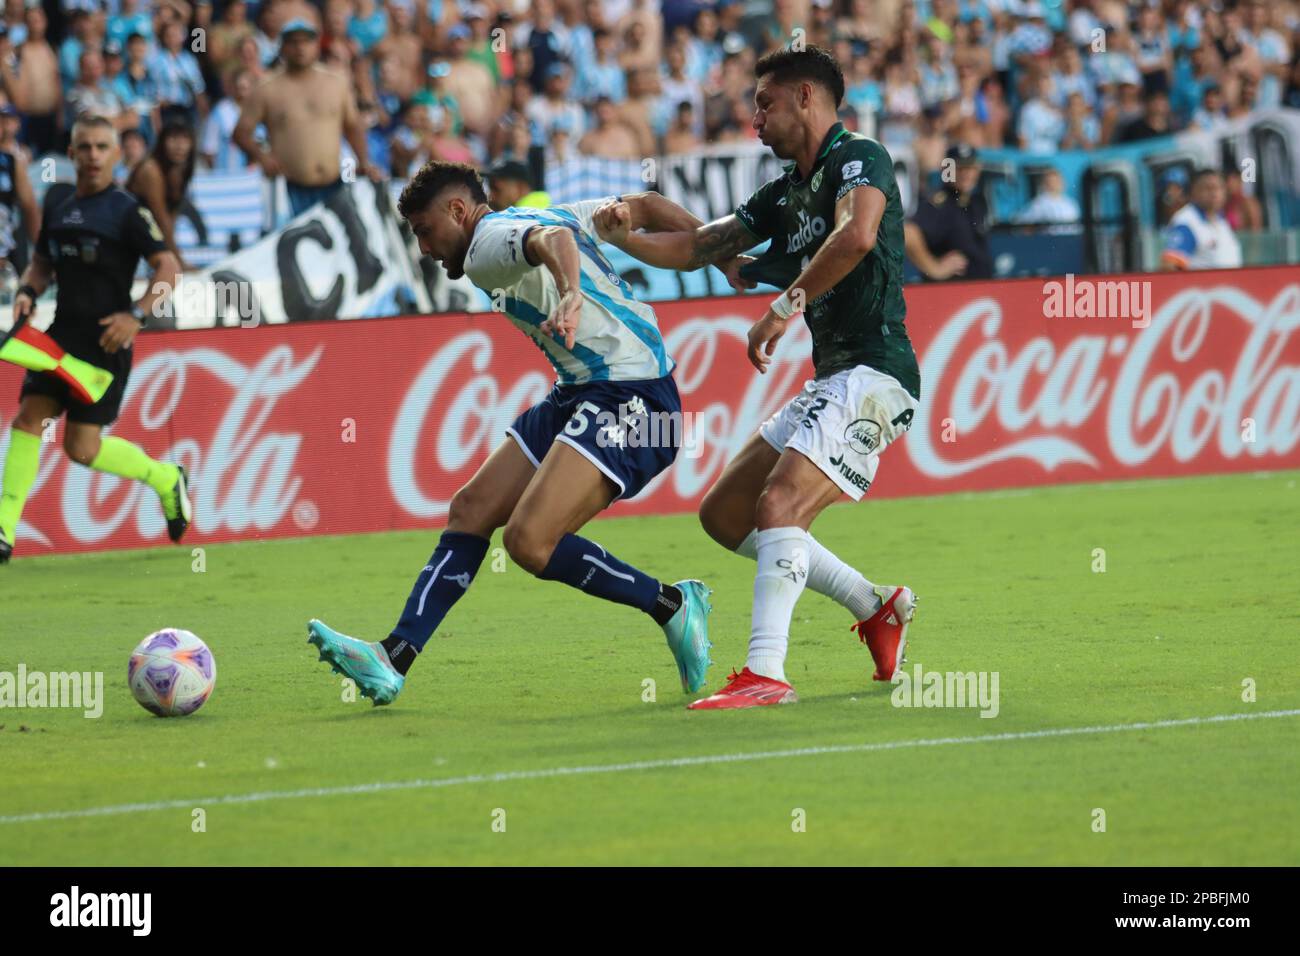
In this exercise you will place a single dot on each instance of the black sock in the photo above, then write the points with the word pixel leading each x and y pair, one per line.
pixel 401 652
pixel 666 604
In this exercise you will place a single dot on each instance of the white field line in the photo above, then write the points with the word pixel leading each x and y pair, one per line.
pixel 660 764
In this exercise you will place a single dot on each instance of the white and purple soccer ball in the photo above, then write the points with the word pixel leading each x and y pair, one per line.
pixel 171 673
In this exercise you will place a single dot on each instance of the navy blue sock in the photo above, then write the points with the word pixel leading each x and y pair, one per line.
pixel 588 567
pixel 444 579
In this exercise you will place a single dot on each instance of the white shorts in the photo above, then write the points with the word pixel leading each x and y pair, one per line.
pixel 842 424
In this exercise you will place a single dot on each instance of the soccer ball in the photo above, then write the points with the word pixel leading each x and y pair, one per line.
pixel 171 673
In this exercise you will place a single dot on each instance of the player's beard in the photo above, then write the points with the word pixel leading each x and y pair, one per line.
pixel 455 265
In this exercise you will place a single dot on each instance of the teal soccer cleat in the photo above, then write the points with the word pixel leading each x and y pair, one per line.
pixel 365 663
pixel 688 635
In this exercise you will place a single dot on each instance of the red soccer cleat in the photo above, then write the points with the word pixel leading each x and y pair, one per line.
pixel 747 689
pixel 885 632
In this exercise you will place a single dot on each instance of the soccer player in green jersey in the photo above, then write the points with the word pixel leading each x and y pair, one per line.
pixel 835 221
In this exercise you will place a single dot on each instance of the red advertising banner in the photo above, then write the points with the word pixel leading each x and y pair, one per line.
pixel 335 427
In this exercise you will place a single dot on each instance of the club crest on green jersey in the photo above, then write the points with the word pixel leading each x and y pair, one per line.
pixel 817 180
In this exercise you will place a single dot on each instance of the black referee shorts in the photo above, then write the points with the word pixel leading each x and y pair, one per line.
pixel 102 412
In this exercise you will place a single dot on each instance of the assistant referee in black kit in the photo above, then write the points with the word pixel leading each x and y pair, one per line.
pixel 91 241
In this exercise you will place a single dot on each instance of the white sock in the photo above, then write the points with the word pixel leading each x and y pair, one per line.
pixel 782 573
pixel 830 576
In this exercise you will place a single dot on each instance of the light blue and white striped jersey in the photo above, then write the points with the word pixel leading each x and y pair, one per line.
pixel 618 337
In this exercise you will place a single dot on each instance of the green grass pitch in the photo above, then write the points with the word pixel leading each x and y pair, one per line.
pixel 1198 595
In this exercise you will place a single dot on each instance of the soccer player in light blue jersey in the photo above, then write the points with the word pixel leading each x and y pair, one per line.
pixel 591 441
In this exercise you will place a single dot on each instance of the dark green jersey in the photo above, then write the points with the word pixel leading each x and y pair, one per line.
pixel 860 320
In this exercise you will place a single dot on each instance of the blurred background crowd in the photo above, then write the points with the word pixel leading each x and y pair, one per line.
pixel 488 80
pixel 526 88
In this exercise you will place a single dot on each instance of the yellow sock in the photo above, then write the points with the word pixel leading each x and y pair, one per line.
pixel 117 456
pixel 21 464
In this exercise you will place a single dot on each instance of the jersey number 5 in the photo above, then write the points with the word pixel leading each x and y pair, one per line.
pixel 578 423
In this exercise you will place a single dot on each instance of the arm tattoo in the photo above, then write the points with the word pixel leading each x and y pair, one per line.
pixel 719 241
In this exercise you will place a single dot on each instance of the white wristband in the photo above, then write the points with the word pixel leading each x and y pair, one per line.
pixel 781 306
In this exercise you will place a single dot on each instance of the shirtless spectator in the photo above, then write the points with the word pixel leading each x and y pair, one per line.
pixel 471 83
pixel 402 49
pixel 638 109
pixel 307 110
pixel 227 34
pixel 681 137
pixel 611 138
pixel 33 85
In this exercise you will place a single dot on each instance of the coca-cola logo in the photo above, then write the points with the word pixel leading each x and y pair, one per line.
pixel 243 474
pixel 1211 359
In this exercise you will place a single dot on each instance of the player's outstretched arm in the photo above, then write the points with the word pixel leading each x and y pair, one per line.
pixel 555 248
pixel 716 243
pixel 655 212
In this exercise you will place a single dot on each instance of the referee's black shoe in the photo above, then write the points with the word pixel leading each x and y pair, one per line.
pixel 6 548
pixel 177 507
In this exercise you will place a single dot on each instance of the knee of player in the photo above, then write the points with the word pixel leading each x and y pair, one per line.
pixel 80 450
pixel 778 507
pixel 528 549
pixel 713 519
pixel 25 423
pixel 470 512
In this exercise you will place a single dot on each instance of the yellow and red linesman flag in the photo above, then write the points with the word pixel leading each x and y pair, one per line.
pixel 32 349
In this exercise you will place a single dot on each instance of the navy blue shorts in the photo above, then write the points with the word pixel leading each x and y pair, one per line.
pixel 629 430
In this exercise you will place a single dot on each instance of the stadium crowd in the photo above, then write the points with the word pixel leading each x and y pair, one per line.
pixel 485 81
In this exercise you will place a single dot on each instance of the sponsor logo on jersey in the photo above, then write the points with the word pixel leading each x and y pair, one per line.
pixel 73 218
pixel 809 229
pixel 851 169
pixel 863 436
pixel 856 479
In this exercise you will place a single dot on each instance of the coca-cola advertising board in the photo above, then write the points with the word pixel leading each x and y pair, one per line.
pixel 334 427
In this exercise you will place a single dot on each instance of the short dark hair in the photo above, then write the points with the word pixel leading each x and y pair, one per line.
pixel 435 176
pixel 811 63
pixel 96 121
pixel 1201 172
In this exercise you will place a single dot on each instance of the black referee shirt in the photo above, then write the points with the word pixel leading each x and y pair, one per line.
pixel 95 244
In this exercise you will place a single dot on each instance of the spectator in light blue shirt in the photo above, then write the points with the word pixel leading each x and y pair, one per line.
pixel 74 44
pixel 704 54
pixel 1051 205
pixel 601 75
pixel 177 78
pixel 368 25
pixel 1069 77
pixel 1041 125
pixel 1271 48
pixel 938 75
pixel 128 20
pixel 1191 76
pixel 135 88
pixel 1211 114
pixel 217 145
